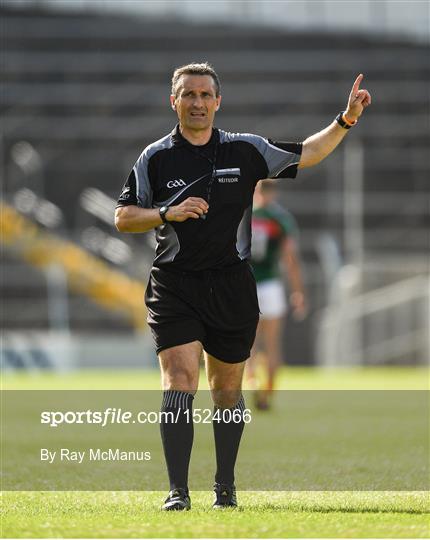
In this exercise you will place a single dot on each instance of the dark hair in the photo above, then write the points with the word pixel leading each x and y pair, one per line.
pixel 195 68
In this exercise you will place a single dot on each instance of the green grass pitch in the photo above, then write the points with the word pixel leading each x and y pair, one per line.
pixel 265 514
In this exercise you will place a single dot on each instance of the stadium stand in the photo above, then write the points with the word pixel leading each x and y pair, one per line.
pixel 82 272
pixel 89 91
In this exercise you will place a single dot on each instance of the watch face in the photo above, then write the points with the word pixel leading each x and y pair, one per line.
pixel 163 209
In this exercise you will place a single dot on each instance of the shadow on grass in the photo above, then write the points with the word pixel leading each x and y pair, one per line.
pixel 348 510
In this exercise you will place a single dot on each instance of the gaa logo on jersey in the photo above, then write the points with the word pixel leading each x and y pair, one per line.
pixel 176 183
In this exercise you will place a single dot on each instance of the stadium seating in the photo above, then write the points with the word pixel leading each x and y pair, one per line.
pixel 88 92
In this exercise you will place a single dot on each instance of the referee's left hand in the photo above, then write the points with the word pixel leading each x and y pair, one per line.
pixel 358 100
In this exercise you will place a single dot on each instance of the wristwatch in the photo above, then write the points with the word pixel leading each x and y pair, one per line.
pixel 343 122
pixel 163 211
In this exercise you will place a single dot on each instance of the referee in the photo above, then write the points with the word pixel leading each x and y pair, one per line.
pixel 194 187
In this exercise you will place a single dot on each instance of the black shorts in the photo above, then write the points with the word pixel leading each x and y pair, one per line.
pixel 219 308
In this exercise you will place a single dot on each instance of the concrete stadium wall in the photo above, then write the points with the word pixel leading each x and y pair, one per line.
pixel 36 351
pixel 392 17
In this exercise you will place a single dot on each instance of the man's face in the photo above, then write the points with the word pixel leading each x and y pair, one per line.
pixel 196 102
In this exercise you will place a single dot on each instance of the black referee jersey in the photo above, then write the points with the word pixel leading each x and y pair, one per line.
pixel 224 172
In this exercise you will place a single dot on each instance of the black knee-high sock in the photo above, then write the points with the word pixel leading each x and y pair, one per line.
pixel 227 435
pixel 177 433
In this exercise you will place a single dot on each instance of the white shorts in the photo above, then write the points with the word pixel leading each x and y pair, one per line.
pixel 271 298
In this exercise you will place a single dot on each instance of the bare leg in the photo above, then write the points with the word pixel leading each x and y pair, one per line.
pixel 225 381
pixel 180 367
pixel 252 363
pixel 271 334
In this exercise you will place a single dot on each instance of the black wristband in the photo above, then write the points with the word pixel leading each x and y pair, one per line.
pixel 339 119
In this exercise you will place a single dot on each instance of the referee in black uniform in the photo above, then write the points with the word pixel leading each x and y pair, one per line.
pixel 194 187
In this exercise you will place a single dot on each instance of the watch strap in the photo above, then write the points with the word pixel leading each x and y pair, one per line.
pixel 163 211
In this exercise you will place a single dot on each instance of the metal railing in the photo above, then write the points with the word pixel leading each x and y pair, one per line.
pixel 382 326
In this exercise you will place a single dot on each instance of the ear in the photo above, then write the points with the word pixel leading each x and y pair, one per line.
pixel 173 102
pixel 218 105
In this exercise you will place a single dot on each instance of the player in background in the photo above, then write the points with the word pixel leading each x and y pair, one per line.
pixel 274 255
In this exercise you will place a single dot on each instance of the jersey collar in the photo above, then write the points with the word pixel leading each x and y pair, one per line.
pixel 179 140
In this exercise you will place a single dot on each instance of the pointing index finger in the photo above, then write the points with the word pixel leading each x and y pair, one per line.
pixel 356 85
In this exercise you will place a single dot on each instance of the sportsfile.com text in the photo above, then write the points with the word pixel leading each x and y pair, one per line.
pixel 118 416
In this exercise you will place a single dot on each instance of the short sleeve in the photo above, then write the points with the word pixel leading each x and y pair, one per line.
pixel 128 192
pixel 288 224
pixel 285 219
pixel 275 159
pixel 137 189
pixel 282 158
